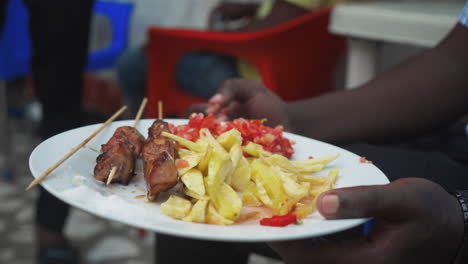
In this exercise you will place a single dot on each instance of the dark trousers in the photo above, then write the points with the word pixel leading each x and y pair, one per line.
pixel 425 158
pixel 59 33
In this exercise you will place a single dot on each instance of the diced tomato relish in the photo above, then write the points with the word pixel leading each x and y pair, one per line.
pixel 182 164
pixel 251 130
pixel 364 160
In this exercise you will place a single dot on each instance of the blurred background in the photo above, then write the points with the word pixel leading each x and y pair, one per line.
pixel 376 35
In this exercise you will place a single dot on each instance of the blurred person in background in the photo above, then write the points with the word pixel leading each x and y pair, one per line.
pixel 59 33
pixel 201 73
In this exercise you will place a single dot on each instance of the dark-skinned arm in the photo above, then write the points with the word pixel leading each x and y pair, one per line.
pixel 231 11
pixel 425 92
pixel 281 12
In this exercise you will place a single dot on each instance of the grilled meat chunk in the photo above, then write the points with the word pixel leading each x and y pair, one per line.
pixel 121 152
pixel 162 176
pixel 119 156
pixel 130 136
pixel 158 160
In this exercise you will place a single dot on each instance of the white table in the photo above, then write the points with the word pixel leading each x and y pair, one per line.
pixel 368 25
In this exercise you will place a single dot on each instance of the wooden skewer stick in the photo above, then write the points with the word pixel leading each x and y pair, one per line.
pixel 93 149
pixel 75 149
pixel 111 175
pixel 140 111
pixel 160 110
pixel 137 118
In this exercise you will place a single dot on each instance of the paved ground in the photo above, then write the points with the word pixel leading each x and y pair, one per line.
pixel 98 240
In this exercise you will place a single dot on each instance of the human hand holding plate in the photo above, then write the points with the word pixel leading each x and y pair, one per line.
pixel 416 221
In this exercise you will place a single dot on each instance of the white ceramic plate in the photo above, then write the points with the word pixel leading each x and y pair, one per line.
pixel 73 182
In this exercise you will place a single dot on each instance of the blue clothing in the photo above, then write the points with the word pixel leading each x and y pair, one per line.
pixel 464 16
pixel 202 73
pixel 198 73
pixel 132 69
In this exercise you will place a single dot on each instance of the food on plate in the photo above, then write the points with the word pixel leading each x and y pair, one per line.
pixel 224 170
pixel 43 175
pixel 279 220
pixel 158 160
pixel 118 155
pixel 254 131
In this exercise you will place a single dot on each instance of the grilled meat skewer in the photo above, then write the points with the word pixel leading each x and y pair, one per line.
pixel 121 152
pixel 158 160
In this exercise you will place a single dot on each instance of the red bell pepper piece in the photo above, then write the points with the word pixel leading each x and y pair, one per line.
pixel 279 220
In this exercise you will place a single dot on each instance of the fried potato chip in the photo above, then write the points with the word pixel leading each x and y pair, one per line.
pixel 219 165
pixel 203 164
pixel 250 195
pixel 206 135
pixel 256 150
pixel 214 218
pixel 328 185
pixel 192 159
pixel 193 180
pixel 230 138
pixel 323 160
pixel 227 202
pixel 184 142
pixel 195 195
pixel 271 181
pixel 176 207
pixel 198 212
pixel 220 180
pixel 241 177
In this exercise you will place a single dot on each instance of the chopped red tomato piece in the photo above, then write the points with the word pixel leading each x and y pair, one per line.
pixel 279 220
pixel 182 164
pixel 251 130
pixel 364 160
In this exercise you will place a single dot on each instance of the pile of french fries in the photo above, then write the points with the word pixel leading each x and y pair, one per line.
pixel 219 180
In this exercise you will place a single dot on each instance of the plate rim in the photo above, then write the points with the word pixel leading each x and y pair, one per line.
pixel 349 223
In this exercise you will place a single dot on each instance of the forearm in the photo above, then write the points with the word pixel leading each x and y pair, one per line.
pixel 425 92
pixel 281 12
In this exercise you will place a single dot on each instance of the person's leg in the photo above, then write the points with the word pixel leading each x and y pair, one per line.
pixel 59 33
pixel 2 14
pixel 202 73
pixel 51 214
pixel 132 69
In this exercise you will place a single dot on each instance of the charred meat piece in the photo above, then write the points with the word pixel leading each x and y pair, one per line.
pixel 121 152
pixel 119 156
pixel 128 135
pixel 158 160
pixel 162 176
